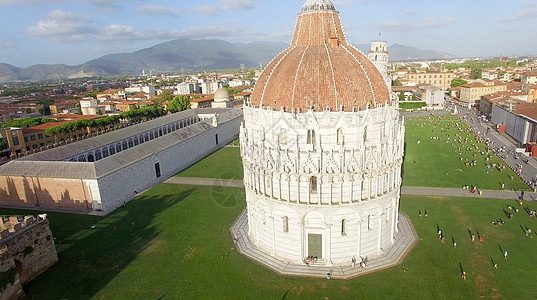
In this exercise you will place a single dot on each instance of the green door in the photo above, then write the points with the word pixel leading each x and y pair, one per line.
pixel 315 245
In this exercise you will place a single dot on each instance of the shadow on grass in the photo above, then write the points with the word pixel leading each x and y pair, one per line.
pixel 90 258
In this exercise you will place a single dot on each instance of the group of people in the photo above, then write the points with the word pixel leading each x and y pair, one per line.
pixel 362 263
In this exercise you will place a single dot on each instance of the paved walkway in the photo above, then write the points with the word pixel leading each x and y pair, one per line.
pixel 405 190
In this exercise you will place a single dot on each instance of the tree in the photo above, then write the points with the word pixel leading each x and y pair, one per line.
pixel 458 82
pixel 99 112
pixel 179 103
pixel 3 145
pixel 476 73
pixel 401 96
pixel 166 96
pixel 41 110
pixel 396 82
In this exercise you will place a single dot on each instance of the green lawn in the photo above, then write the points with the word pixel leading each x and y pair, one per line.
pixel 437 163
pixel 225 163
pixel 411 105
pixel 173 242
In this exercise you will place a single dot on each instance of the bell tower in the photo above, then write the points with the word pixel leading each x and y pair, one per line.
pixel 379 57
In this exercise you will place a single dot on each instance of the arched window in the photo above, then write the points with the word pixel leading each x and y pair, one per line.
pixel 343 227
pixel 125 146
pixel 105 152
pixel 118 147
pixel 81 158
pixel 98 155
pixel 369 222
pixel 160 132
pixel 365 134
pixel 146 137
pixel 311 137
pixel 285 224
pixel 340 136
pixel 136 142
pixel 73 159
pixel 91 158
pixel 151 136
pixel 131 143
pixel 313 185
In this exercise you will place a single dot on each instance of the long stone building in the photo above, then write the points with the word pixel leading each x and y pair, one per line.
pixel 102 173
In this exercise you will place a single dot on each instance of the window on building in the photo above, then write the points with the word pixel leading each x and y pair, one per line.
pixel 131 143
pixel 340 136
pixel 311 137
pixel 283 137
pixel 15 141
pixel 40 136
pixel 313 184
pixel 98 155
pixel 118 147
pixel 285 224
pixel 105 152
pixel 216 138
pixel 157 170
pixel 343 227
pixel 369 222
pixel 32 138
pixel 91 158
pixel 365 134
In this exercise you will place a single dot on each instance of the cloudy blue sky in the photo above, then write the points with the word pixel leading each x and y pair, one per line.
pixel 74 31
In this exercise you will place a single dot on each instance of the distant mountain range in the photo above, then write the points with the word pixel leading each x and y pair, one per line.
pixel 187 55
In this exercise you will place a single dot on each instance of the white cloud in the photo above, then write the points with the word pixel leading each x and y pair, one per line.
pixel 522 15
pixel 427 23
pixel 408 11
pixel 61 26
pixel 343 3
pixel 5 45
pixel 224 5
pixel 157 10
pixel 228 31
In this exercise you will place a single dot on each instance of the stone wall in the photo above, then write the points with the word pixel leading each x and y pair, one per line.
pixel 31 245
pixel 10 287
pixel 44 192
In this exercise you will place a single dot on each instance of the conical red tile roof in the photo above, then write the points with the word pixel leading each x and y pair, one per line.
pixel 320 69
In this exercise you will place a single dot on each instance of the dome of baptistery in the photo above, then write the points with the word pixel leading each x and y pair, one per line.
pixel 320 70
pixel 322 149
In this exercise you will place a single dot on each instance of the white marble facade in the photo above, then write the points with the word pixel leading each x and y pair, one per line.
pixel 323 184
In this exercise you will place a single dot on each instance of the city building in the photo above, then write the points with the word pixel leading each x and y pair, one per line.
pixel 440 80
pixel 64 107
pixel 471 93
pixel 33 139
pixel 519 119
pixel 529 77
pixel 322 147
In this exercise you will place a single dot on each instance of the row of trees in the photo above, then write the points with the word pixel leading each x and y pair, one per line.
pixel 26 122
pixel 85 126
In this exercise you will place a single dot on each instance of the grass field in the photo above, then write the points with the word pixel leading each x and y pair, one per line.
pixel 173 242
pixel 411 105
pixel 437 162
pixel 225 163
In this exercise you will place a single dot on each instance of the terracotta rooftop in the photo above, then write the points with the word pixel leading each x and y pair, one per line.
pixel 320 69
